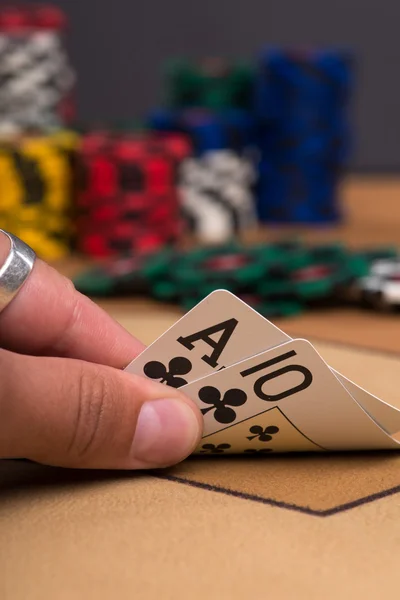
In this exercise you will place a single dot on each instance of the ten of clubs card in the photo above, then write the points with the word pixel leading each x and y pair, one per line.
pixel 259 390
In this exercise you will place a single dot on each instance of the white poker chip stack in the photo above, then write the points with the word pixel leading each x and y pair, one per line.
pixel 381 287
pixel 35 75
pixel 216 191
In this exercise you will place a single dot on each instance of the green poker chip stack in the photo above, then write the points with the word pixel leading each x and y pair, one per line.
pixel 214 84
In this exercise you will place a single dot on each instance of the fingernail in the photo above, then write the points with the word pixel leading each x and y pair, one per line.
pixel 167 431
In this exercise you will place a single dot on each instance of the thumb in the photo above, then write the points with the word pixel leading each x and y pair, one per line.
pixel 72 413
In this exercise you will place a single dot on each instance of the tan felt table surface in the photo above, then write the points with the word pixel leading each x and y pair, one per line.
pixel 291 527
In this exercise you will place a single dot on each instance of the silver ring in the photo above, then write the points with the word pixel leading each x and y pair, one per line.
pixel 16 269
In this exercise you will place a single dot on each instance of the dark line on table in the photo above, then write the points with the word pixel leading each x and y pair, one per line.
pixel 361 501
pixel 285 505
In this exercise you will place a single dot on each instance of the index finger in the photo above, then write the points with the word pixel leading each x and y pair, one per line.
pixel 49 317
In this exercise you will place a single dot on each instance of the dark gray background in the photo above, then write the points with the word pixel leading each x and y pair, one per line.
pixel 118 48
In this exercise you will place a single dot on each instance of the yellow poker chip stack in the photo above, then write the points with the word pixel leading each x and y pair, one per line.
pixel 36 191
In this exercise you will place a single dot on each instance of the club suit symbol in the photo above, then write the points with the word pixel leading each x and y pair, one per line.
pixel 263 434
pixel 176 366
pixel 223 413
pixel 213 449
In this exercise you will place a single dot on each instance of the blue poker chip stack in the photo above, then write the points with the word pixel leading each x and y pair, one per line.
pixel 301 106
pixel 232 129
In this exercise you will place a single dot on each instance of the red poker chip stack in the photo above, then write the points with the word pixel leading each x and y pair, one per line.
pixel 15 19
pixel 128 201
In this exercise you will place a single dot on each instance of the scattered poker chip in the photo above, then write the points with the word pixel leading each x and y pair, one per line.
pixel 159 270
pixel 189 277
pixel 125 276
pixel 312 273
pixel 278 280
pixel 321 273
pixel 228 267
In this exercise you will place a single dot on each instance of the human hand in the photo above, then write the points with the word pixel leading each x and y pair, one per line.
pixel 64 399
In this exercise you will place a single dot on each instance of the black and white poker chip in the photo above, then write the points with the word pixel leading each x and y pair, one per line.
pixel 217 196
pixel 381 287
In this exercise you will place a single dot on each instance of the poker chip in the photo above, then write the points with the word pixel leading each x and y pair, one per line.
pixel 277 280
pixel 217 195
pixel 322 271
pixel 36 77
pixel 212 83
pixel 37 191
pixel 225 267
pixel 189 277
pixel 217 183
pixel 375 282
pixel 120 277
pixel 232 129
pixel 301 103
pixel 128 200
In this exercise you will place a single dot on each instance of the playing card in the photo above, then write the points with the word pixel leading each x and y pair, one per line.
pixel 271 431
pixel 219 331
pixel 294 378
pixel 384 414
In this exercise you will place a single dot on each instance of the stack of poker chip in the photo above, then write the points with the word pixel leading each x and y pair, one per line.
pixel 37 186
pixel 232 129
pixel 379 286
pixel 216 195
pixel 128 201
pixel 302 102
pixel 213 83
pixel 36 79
pixel 217 183
pixel 277 280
